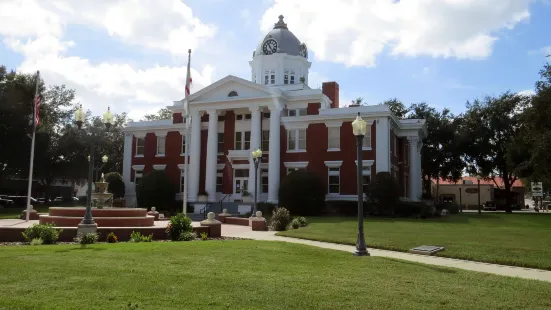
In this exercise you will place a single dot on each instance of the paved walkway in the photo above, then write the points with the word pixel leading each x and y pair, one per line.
pixel 526 273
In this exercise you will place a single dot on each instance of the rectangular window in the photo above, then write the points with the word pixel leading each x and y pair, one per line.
pixel 266 114
pixel 219 181
pixel 366 177
pixel 292 77
pixel 238 140
pixel 272 76
pixel 289 76
pixel 334 181
pixel 297 112
pixel 220 143
pixel 241 173
pixel 140 146
pixel 302 112
pixel 286 77
pixel 239 117
pixel 367 138
pixel 292 113
pixel 183 144
pixel 264 181
pixel 137 178
pixel 296 140
pixel 266 77
pixel 334 136
pixel 265 140
pixel 182 176
pixel 242 140
pixel 161 142
pixel 247 141
pixel 291 170
pixel 248 116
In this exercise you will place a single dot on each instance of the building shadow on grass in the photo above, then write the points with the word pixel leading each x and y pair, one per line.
pixel 430 267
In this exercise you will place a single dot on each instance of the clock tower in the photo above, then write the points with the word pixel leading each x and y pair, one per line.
pixel 280 59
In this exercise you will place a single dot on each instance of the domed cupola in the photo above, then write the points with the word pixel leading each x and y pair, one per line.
pixel 281 40
pixel 280 59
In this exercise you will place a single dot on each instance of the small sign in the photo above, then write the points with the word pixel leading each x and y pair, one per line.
pixel 426 249
pixel 471 190
pixel 537 189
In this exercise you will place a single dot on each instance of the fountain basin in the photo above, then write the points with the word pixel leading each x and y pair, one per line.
pixel 113 217
pixel 111 212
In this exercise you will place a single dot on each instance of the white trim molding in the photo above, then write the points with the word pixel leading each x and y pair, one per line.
pixel 365 163
pixel 220 166
pixel 138 167
pixel 331 124
pixel 291 126
pixel 159 167
pixel 296 164
pixel 333 164
pixel 182 166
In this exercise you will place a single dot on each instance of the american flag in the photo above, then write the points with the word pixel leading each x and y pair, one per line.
pixel 37 109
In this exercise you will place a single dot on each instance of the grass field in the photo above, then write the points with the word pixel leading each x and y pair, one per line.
pixel 15 213
pixel 511 239
pixel 244 275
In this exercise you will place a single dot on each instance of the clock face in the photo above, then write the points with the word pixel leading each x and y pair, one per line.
pixel 269 47
pixel 303 50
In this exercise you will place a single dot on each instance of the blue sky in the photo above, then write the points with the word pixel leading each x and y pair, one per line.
pixel 131 55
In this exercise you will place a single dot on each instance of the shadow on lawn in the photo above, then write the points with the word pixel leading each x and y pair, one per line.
pixel 433 268
pixel 81 249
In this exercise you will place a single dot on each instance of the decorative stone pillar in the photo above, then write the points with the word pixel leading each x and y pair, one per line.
pixel 214 225
pixel 256 135
pixel 414 172
pixel 258 223
pixel 195 155
pixel 274 153
pixel 212 155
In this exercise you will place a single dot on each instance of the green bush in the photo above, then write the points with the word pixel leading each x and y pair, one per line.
pixel 178 224
pixel 281 218
pixel 383 194
pixel 116 184
pixel 46 232
pixel 187 236
pixel 156 190
pixel 303 193
pixel 37 242
pixel 89 238
pixel 112 238
pixel 204 236
pixel 295 223
pixel 302 221
pixel 137 236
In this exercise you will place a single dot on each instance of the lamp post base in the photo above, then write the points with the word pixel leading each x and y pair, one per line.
pixel 84 229
pixel 362 253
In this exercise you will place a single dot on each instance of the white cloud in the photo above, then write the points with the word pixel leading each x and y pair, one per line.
pixel 356 32
pixel 36 30
pixel 527 92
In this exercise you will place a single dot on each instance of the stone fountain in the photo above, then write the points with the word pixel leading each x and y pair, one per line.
pixel 100 197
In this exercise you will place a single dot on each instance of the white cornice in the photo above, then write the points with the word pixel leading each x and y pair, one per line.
pixel 296 164
pixel 366 163
pixel 333 163
pixel 294 125
pixel 138 167
pixel 331 124
pixel 159 167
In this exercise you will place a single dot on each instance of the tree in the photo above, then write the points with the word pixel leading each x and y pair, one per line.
pixel 302 193
pixel 491 134
pixel 357 102
pixel 116 184
pixel 441 153
pixel 162 114
pixel 397 107
pixel 156 190
pixel 382 194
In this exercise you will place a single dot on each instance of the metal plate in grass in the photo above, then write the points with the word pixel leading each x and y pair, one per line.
pixel 426 249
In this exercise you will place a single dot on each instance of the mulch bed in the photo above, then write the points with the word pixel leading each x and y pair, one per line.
pixel 75 243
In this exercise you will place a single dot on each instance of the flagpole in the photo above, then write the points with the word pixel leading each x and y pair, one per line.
pixel 31 164
pixel 188 119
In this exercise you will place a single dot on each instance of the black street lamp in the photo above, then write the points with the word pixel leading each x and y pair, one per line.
pixel 80 118
pixel 99 167
pixel 478 190
pixel 257 156
pixel 359 128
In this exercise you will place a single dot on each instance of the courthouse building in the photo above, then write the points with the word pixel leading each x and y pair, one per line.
pixel 295 126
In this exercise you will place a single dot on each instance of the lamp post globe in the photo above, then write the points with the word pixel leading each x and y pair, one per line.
pixel 108 118
pixel 80 117
pixel 359 129
pixel 256 156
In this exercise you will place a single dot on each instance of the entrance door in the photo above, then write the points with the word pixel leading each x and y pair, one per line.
pixel 240 182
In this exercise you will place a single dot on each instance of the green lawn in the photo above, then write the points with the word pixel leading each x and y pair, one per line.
pixel 15 213
pixel 511 239
pixel 244 275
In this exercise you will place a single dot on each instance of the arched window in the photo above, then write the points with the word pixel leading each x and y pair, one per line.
pixel 233 93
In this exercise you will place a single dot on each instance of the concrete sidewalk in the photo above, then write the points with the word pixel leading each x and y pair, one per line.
pixel 526 273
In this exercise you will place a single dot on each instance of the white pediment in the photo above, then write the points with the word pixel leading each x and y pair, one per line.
pixel 220 91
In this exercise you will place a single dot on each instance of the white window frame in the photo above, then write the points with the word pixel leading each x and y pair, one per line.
pixel 183 148
pixel 220 151
pixel 367 166
pixel 138 139
pixel 265 143
pixel 366 145
pixel 161 146
pixel 219 174
pixel 264 176
pixel 336 164
pixel 333 139
pixel 269 76
pixel 289 76
pixel 138 174
pixel 295 134
pixel 297 112
pixel 242 142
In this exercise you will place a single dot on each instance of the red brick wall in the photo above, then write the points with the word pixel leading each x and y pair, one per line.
pixel 177 118
pixel 313 108
pixel 204 139
pixel 229 129
pixel 331 90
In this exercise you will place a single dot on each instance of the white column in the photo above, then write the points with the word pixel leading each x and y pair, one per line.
pixel 127 169
pixel 195 155
pixel 256 135
pixel 274 153
pixel 419 171
pixel 414 171
pixel 212 155
pixel 382 142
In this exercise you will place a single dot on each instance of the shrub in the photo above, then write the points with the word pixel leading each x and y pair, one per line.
pixel 347 208
pixel 408 209
pixel 156 190
pixel 281 218
pixel 204 236
pixel 135 236
pixel 427 211
pixel 46 232
pixel 36 242
pixel 302 221
pixel 89 238
pixel 112 238
pixel 303 193
pixel 383 194
pixel 295 223
pixel 116 184
pixel 147 238
pixel 266 208
pixel 187 236
pixel 178 224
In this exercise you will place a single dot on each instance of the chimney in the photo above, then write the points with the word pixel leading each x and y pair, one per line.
pixel 331 90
